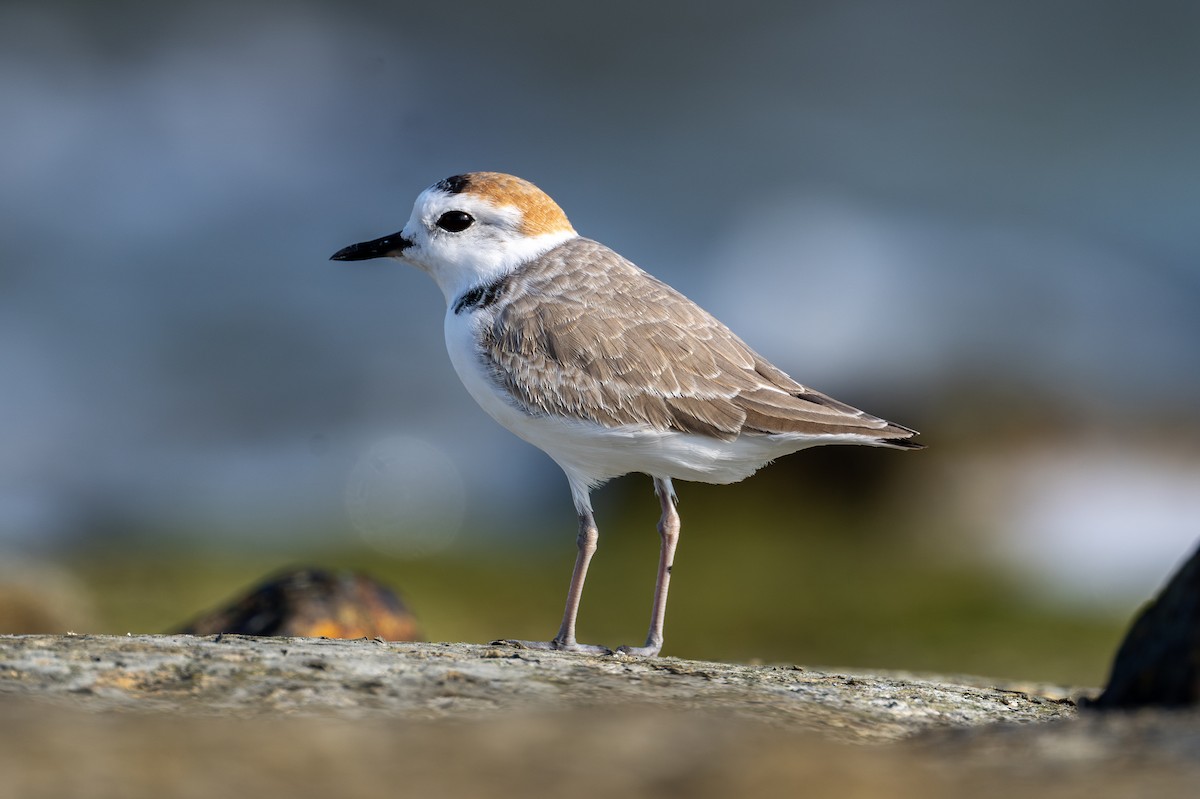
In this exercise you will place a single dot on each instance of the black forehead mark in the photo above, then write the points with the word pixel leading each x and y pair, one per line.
pixel 455 184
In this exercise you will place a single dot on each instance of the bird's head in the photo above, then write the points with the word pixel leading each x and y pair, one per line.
pixel 470 229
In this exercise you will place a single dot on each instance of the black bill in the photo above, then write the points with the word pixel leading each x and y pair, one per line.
pixel 379 248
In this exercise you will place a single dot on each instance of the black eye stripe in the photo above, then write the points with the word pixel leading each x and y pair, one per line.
pixel 455 221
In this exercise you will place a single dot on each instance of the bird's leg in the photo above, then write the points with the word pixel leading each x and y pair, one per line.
pixel 668 530
pixel 586 542
pixel 565 640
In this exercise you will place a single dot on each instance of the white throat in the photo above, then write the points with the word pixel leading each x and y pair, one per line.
pixel 479 268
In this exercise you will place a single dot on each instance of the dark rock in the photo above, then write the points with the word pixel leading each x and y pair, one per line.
pixel 313 603
pixel 1158 663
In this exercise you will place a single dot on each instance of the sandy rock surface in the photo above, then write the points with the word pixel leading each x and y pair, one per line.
pixel 182 716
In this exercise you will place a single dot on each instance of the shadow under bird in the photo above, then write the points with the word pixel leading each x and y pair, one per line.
pixel 602 366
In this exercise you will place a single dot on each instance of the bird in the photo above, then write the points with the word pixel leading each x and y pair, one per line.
pixel 605 368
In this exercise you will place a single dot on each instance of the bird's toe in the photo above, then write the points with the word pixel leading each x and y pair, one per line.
pixel 555 646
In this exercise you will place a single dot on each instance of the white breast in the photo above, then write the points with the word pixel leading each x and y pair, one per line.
pixel 461 336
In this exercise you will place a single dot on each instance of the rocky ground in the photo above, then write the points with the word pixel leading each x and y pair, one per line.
pixel 182 716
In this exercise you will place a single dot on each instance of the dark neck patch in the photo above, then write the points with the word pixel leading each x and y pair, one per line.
pixel 455 184
pixel 481 296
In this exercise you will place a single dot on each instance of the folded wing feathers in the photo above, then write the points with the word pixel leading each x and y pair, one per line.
pixel 616 346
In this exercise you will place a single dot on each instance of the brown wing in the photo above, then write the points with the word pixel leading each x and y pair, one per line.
pixel 613 345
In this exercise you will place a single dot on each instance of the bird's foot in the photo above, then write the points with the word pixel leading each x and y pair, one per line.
pixel 648 651
pixel 556 646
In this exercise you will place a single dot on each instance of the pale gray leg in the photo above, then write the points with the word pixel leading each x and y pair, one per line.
pixel 668 530
pixel 565 640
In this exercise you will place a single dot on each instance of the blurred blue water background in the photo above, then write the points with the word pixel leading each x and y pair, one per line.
pixel 976 219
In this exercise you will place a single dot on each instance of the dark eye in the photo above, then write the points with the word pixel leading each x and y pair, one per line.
pixel 455 221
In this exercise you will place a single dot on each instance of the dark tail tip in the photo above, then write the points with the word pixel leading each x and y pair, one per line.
pixel 901 443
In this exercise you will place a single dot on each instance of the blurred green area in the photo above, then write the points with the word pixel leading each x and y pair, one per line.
pixel 834 576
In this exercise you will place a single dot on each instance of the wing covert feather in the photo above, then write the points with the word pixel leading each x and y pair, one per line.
pixel 614 345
